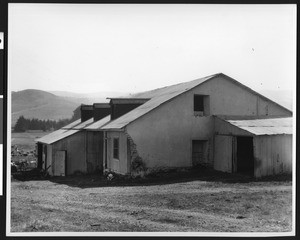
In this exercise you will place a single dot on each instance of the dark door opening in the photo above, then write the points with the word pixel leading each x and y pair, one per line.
pixel 245 158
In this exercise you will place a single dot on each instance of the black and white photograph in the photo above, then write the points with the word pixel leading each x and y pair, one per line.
pixel 151 119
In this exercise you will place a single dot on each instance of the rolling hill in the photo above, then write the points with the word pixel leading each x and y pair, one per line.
pixel 32 103
pixel 39 104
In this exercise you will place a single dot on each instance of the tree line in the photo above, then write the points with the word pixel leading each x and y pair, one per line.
pixel 23 124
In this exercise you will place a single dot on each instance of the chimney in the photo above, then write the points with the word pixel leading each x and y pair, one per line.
pixel 87 112
pixel 101 110
pixel 121 106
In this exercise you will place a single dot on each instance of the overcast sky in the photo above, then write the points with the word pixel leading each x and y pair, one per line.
pixel 132 48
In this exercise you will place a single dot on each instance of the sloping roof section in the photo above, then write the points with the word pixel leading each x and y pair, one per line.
pixel 157 97
pixel 56 136
pixel 270 126
pixel 72 124
pixel 97 125
pixel 64 132
pixel 83 124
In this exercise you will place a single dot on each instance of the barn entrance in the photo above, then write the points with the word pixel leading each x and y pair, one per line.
pixel 199 152
pixel 244 156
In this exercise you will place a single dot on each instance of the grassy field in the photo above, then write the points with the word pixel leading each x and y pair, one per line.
pixel 88 203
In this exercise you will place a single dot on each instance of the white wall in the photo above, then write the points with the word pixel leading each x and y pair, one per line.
pixel 164 136
pixel 117 165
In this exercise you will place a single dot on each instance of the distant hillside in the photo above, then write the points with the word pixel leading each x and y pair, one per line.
pixel 32 103
pixel 42 105
pixel 90 97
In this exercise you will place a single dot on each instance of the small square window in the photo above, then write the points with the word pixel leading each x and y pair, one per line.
pixel 116 148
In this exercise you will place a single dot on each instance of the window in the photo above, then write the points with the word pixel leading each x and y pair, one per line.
pixel 116 148
pixel 198 103
pixel 201 105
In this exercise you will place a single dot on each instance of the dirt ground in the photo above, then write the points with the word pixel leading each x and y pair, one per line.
pixel 191 204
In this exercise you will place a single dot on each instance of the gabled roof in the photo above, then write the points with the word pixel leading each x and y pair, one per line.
pixel 97 125
pixel 270 126
pixel 157 97
pixel 162 95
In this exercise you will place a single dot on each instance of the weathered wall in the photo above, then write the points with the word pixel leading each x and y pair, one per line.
pixel 117 165
pixel 94 152
pixel 75 146
pixel 273 155
pixel 164 136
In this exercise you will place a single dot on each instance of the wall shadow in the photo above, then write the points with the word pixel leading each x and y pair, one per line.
pixel 160 178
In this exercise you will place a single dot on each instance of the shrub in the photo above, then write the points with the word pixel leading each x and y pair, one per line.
pixel 138 168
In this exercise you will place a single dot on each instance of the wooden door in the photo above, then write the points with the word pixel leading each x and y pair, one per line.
pixel 60 163
pixel 223 153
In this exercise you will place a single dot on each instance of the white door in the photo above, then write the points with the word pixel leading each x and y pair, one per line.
pixel 60 163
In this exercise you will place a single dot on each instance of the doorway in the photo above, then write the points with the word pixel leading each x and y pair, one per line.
pixel 244 156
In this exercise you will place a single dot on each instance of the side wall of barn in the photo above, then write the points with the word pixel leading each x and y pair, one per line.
pixel 272 154
pixel 164 136
pixel 75 147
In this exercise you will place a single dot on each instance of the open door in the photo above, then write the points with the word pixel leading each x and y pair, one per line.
pixel 245 156
pixel 60 163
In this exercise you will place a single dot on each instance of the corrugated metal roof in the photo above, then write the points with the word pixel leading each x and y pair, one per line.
pixel 270 126
pixel 56 136
pixel 97 125
pixel 157 97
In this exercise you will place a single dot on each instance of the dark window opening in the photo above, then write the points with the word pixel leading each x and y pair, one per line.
pixel 198 103
pixel 116 148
